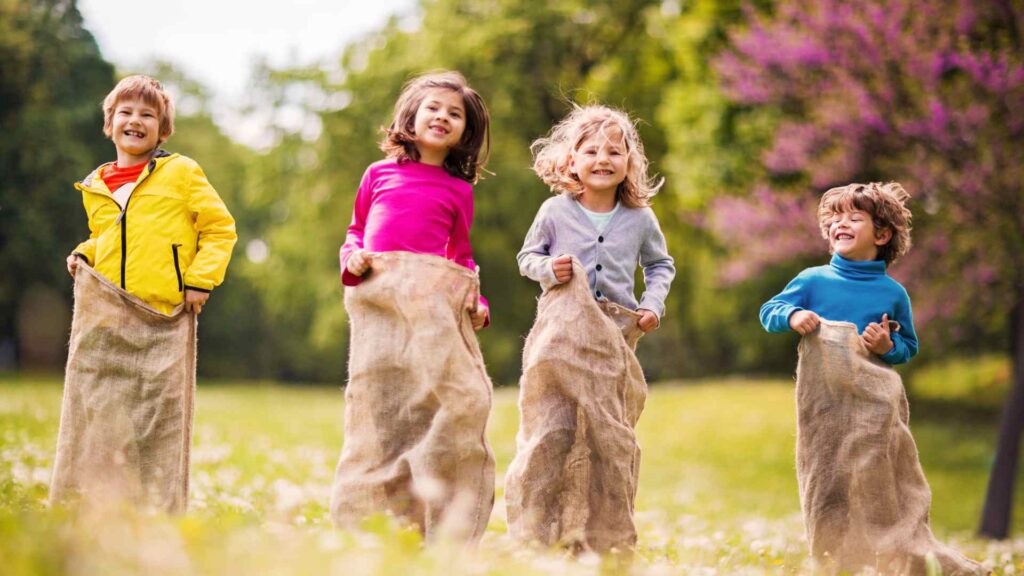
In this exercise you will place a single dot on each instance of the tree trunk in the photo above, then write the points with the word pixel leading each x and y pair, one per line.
pixel 995 518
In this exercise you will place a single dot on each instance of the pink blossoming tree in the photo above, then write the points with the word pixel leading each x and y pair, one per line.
pixel 926 92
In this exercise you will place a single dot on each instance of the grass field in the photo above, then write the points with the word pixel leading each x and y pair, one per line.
pixel 717 491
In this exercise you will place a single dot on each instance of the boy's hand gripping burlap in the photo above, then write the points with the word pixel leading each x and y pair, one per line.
pixel 864 496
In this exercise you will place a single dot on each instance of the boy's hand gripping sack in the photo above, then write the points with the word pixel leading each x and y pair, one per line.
pixel 417 400
pixel 129 388
pixel 574 477
pixel 864 496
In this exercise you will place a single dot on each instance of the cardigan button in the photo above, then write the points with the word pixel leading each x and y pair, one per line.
pixel 598 267
pixel 598 293
pixel 600 238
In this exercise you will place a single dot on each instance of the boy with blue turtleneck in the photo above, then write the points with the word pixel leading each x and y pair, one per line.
pixel 868 228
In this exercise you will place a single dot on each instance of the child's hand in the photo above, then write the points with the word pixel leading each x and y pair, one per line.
pixel 479 316
pixel 648 320
pixel 72 265
pixel 358 262
pixel 804 322
pixel 562 267
pixel 876 337
pixel 194 300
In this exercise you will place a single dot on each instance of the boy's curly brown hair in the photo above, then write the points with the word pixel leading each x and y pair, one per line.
pixel 885 202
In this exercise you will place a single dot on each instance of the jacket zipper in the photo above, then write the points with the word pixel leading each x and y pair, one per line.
pixel 124 222
pixel 124 241
pixel 177 267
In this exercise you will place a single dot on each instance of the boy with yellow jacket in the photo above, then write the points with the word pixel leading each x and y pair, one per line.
pixel 160 240
pixel 158 228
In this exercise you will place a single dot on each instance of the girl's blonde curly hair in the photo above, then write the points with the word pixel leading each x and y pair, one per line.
pixel 884 202
pixel 552 154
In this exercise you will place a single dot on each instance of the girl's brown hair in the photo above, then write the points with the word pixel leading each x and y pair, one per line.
pixel 146 89
pixel 466 160
pixel 552 155
pixel 885 203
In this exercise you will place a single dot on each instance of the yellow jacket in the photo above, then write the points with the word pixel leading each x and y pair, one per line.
pixel 175 232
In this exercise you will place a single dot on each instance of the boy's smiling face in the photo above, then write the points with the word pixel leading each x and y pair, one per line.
pixel 853 236
pixel 135 130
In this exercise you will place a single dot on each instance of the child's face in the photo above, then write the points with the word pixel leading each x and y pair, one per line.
pixel 439 124
pixel 135 130
pixel 600 162
pixel 853 236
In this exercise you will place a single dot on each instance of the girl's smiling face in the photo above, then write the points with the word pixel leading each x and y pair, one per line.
pixel 439 124
pixel 852 235
pixel 600 162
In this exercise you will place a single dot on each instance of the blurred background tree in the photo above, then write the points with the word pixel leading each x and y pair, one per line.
pixel 52 80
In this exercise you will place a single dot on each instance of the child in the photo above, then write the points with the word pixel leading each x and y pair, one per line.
pixel 864 496
pixel 573 480
pixel 160 241
pixel 418 396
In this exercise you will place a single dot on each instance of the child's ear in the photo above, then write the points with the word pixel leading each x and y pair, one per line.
pixel 883 236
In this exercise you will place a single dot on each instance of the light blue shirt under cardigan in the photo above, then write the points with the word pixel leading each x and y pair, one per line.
pixel 599 219
pixel 610 256
pixel 852 291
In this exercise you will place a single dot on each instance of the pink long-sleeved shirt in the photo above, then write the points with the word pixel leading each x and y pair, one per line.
pixel 412 207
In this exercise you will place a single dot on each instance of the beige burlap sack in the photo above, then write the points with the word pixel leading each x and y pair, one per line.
pixel 417 400
pixel 574 477
pixel 129 388
pixel 864 496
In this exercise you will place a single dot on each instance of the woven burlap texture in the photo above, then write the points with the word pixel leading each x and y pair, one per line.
pixel 129 389
pixel 863 493
pixel 573 480
pixel 417 400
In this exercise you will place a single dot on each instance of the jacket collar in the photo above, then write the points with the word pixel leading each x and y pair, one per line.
pixel 157 160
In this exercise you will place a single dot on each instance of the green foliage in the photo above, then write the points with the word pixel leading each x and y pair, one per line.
pixel 981 382
pixel 717 491
pixel 52 81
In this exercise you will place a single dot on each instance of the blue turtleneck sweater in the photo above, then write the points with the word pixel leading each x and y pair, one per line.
pixel 851 291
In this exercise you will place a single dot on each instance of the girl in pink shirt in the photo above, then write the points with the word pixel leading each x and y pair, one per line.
pixel 420 198
pixel 418 395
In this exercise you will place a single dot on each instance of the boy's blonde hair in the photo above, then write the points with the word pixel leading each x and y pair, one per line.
pixel 884 202
pixel 466 160
pixel 146 89
pixel 552 155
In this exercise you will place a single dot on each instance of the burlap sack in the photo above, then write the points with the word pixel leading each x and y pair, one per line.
pixel 417 400
pixel 574 477
pixel 129 388
pixel 864 497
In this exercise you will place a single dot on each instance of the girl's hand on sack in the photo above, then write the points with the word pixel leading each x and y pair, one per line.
pixel 358 262
pixel 648 320
pixel 562 267
pixel 194 300
pixel 876 337
pixel 803 322
pixel 72 265
pixel 479 316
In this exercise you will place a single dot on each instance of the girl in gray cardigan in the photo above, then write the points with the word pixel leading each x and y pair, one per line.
pixel 574 477
pixel 594 160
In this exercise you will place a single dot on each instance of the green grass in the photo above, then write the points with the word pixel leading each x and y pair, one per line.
pixel 717 491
